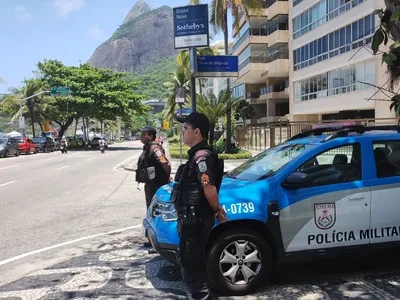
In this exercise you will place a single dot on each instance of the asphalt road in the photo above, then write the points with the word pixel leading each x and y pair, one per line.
pixel 48 199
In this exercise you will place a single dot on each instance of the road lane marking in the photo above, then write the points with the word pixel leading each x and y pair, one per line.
pixel 122 162
pixel 66 243
pixel 7 183
pixel 91 158
pixel 61 168
pixel 9 167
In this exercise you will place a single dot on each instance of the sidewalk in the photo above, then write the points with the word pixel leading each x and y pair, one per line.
pixel 175 162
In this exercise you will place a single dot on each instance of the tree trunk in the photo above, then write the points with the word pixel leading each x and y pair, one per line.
pixel 76 126
pixel 64 126
pixel 31 114
pixel 200 86
pixel 101 128
pixel 41 127
pixel 228 88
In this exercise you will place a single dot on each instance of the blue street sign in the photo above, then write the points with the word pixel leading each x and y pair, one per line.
pixel 217 66
pixel 191 26
pixel 185 111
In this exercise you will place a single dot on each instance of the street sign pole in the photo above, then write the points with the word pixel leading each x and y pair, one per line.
pixel 193 64
pixel 180 135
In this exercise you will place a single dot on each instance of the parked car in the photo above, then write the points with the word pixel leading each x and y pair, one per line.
pixel 94 143
pixel 8 146
pixel 320 193
pixel 27 146
pixel 44 144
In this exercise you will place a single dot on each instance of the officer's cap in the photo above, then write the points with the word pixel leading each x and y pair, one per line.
pixel 149 129
pixel 197 120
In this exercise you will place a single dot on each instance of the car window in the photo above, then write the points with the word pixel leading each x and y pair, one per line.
pixel 268 162
pixel 387 158
pixel 337 165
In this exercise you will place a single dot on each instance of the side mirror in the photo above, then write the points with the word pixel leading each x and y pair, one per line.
pixel 296 180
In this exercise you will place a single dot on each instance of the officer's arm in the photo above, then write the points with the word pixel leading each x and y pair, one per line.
pixel 207 180
pixel 160 157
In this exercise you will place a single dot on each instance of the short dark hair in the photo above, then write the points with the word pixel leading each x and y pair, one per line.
pixel 197 121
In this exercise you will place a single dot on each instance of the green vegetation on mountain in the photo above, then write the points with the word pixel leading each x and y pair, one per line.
pixel 129 28
pixel 150 81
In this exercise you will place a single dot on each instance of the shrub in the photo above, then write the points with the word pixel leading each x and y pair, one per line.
pixel 241 155
pixel 173 140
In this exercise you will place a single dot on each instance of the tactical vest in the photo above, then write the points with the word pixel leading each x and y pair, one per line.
pixel 190 190
pixel 145 164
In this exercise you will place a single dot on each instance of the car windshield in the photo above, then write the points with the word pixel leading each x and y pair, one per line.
pixel 3 141
pixel 268 162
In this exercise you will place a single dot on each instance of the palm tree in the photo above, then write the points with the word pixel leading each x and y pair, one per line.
pixel 32 87
pixel 183 61
pixel 215 108
pixel 178 78
pixel 219 21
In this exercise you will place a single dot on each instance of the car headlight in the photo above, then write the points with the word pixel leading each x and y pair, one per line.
pixel 168 212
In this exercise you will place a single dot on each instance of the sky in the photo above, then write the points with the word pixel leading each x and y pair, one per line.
pixel 66 30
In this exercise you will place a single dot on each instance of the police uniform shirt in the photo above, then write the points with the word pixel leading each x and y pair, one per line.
pixel 159 154
pixel 205 165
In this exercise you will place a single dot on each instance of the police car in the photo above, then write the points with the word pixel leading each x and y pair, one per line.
pixel 319 193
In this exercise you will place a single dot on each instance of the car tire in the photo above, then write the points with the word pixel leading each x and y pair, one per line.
pixel 17 153
pixel 28 152
pixel 228 241
pixel 5 153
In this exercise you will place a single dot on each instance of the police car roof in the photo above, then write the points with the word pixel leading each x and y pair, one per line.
pixel 322 135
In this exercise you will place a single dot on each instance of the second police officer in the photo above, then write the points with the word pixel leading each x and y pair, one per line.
pixel 196 200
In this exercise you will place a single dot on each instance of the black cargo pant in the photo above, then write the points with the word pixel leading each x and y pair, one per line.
pixel 197 280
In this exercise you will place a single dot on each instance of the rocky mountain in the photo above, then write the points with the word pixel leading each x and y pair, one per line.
pixel 138 9
pixel 145 36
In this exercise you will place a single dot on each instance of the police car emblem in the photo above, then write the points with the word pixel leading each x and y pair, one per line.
pixel 324 215
pixel 202 166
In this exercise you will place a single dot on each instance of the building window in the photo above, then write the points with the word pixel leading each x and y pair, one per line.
pixel 238 91
pixel 335 82
pixel 321 13
pixel 335 43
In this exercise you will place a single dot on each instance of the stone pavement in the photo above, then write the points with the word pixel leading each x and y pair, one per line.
pixel 122 269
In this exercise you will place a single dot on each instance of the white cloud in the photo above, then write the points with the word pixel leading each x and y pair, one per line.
pixel 65 7
pixel 96 33
pixel 22 14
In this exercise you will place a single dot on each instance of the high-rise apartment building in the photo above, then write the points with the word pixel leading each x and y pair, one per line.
pixel 261 44
pixel 329 58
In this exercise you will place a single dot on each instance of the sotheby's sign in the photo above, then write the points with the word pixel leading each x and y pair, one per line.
pixel 191 26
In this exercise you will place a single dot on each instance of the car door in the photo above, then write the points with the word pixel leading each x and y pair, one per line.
pixel 385 191
pixel 333 210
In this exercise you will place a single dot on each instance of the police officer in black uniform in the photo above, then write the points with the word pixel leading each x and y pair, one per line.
pixel 196 200
pixel 153 167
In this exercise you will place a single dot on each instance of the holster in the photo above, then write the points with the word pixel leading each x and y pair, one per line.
pixel 192 247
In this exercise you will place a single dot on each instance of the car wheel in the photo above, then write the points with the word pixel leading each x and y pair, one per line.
pixel 17 153
pixel 28 152
pixel 239 261
pixel 5 153
pixel 36 151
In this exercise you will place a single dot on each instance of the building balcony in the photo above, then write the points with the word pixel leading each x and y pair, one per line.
pixel 278 36
pixel 254 19
pixel 277 91
pixel 250 37
pixel 251 69
pixel 278 65
pixel 278 8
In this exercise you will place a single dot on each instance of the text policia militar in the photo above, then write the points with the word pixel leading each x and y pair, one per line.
pixel 346 236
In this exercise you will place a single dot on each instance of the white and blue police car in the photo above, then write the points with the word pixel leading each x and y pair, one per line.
pixel 319 193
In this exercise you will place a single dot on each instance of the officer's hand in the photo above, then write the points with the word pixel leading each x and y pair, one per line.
pixel 222 217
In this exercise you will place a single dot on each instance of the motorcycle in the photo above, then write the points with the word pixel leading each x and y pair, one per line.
pixel 102 147
pixel 63 148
